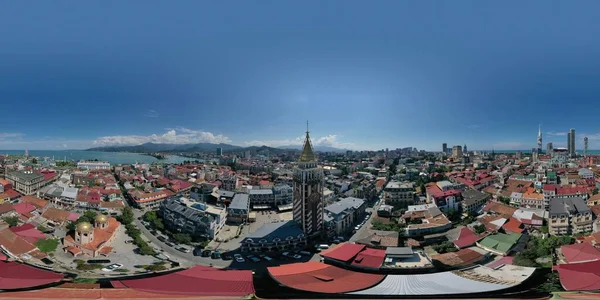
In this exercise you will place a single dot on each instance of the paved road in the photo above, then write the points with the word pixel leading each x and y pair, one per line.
pixel 187 259
pixel 365 230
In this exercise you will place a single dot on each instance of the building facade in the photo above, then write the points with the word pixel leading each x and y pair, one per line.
pixel 308 192
pixel 93 165
pixel 239 209
pixel 25 182
pixel 457 151
pixel 396 192
pixel 283 194
pixel 196 219
pixel 341 216
pixel 569 216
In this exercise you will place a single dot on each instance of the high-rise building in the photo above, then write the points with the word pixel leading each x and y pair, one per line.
pixel 457 151
pixel 308 191
pixel 534 154
pixel 549 148
pixel 465 149
pixel 445 148
pixel 585 146
pixel 539 139
pixel 219 151
pixel 572 142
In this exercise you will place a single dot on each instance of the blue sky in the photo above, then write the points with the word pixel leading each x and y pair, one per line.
pixel 367 75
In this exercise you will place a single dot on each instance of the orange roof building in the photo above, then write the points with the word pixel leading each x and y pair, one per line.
pixel 92 240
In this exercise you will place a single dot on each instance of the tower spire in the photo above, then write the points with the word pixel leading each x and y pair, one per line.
pixel 307 150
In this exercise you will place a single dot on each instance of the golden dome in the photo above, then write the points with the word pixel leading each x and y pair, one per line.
pixel 100 218
pixel 84 227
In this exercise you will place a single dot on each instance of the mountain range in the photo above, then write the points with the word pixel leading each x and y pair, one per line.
pixel 200 147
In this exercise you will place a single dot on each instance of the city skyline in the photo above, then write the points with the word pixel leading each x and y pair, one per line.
pixel 389 75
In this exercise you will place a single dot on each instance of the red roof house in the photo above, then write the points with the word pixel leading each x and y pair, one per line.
pixel 578 253
pixel 343 252
pixel 579 276
pixel 28 232
pixel 23 208
pixel 369 258
pixel 466 238
pixel 14 276
pixel 513 225
pixel 197 281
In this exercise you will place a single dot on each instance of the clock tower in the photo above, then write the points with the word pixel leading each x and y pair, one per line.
pixel 308 191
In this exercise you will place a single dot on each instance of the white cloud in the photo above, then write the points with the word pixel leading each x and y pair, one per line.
pixel 330 140
pixel 151 113
pixel 10 135
pixel 172 136
pixel 553 133
pixel 472 126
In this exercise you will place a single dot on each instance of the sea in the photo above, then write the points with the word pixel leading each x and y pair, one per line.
pixel 111 157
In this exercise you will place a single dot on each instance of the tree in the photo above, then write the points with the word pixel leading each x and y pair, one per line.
pixel 127 216
pixel 595 191
pixel 11 221
pixel 392 169
pixel 150 216
pixel 479 229
pixel 47 245
pixel 158 224
pixel 182 238
pixel 444 247
pixel 34 160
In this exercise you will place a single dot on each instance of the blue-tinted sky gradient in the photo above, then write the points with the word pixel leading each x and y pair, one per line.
pixel 366 74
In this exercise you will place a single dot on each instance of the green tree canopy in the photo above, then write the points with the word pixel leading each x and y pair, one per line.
pixel 11 221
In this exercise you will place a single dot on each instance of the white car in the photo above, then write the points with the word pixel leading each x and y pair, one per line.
pixel 112 267
pixel 239 258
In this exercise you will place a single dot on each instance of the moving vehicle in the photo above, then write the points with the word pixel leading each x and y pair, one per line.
pixel 183 249
pixel 129 242
pixel 239 258
pixel 112 267
pixel 323 246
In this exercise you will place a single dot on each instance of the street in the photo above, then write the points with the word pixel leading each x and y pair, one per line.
pixel 185 259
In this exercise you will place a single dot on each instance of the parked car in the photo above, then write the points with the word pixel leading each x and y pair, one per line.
pixel 267 258
pixel 98 261
pixel 112 267
pixel 129 242
pixel 206 253
pixel 226 256
pixel 216 255
pixel 305 253
pixel 170 244
pixel 197 251
pixel 285 253
pixel 297 256
pixel 162 239
pixel 239 258
pixel 255 259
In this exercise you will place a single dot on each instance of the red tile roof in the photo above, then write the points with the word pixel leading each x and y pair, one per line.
pixel 513 225
pixel 12 193
pixel 580 252
pixel 6 208
pixel 14 243
pixel 499 208
pixel 466 238
pixel 343 252
pixel 507 260
pixel 22 208
pixel 369 258
pixel 199 281
pixel 37 202
pixel 28 232
pixel 580 276
pixel 549 187
pixel 318 277
pixel 19 276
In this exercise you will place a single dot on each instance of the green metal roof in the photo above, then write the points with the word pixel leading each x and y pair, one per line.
pixel 500 241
